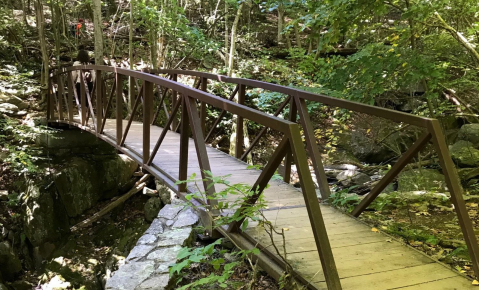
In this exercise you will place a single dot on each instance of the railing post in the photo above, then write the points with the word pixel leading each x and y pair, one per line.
pixel 174 99
pixel 184 140
pixel 49 101
pixel 119 107
pixel 312 147
pixel 99 101
pixel 60 96
pixel 204 88
pixel 454 186
pixel 239 124
pixel 70 96
pixel 83 101
pixel 314 211
pixel 293 110
pixel 147 114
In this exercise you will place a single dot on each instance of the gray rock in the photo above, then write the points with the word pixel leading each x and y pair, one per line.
pixel 156 283
pixel 175 237
pixel 3 287
pixel 147 239
pixel 164 254
pixel 468 173
pixel 155 228
pixel 45 218
pixel 469 132
pixel 164 267
pixel 78 185
pixel 164 192
pixel 9 109
pixel 10 265
pixel 3 195
pixel 57 283
pixel 14 100
pixel 130 276
pixel 352 177
pixel 464 154
pixel 170 211
pixel 116 172
pixel 169 223
pixel 421 179
pixel 139 252
pixel 152 208
pixel 186 218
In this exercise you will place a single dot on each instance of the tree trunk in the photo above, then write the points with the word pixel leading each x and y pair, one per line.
pixel 296 32
pixel 280 22
pixel 131 89
pixel 43 47
pixel 226 33
pixel 97 22
pixel 233 40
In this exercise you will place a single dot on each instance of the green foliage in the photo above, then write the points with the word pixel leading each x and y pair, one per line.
pixel 211 256
pixel 343 198
pixel 241 193
pixel 19 141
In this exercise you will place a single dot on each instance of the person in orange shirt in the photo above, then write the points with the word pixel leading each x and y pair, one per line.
pixel 76 30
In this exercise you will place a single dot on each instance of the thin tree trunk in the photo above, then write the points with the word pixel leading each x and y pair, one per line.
pixel 233 40
pixel 131 89
pixel 226 34
pixel 97 22
pixel 43 47
pixel 296 32
pixel 459 37
pixel 288 41
pixel 280 22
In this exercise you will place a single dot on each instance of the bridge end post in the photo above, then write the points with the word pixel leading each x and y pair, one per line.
pixel 184 142
pixel 239 123
pixel 99 101
pixel 147 107
pixel 455 188
pixel 204 88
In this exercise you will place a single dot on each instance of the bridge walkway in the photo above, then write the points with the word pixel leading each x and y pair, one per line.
pixel 365 259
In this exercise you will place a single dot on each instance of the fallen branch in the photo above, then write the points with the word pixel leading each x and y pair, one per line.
pixel 139 185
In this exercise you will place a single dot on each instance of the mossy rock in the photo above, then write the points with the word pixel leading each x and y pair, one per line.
pixel 464 154
pixel 469 132
pixel 421 179
pixel 45 218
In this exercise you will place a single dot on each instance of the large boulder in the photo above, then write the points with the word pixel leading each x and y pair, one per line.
pixel 117 173
pixel 10 265
pixel 421 179
pixel 78 185
pixel 369 150
pixel 469 132
pixel 464 154
pixel 45 219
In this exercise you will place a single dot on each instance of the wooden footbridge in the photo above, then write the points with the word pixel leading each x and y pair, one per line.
pixel 326 248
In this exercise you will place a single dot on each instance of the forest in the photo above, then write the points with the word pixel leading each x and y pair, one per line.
pixel 74 210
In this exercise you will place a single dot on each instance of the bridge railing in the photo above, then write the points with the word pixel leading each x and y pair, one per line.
pixel 97 105
pixel 296 100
